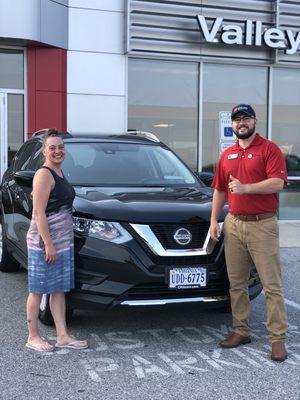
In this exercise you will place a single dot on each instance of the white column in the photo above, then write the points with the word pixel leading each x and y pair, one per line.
pixel 96 67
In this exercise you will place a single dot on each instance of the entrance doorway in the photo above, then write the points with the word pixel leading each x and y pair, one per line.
pixel 12 92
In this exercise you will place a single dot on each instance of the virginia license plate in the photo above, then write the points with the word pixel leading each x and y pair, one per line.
pixel 187 278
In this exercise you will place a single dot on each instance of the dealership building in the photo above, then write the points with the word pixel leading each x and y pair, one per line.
pixel 172 67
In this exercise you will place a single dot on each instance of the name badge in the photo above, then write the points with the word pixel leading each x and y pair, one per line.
pixel 232 156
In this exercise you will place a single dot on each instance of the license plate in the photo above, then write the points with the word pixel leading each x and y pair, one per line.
pixel 187 278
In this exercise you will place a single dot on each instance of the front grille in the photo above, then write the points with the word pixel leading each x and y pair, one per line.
pixel 159 290
pixel 165 234
pixel 188 260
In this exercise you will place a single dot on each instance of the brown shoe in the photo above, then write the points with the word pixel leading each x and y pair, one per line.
pixel 234 340
pixel 279 352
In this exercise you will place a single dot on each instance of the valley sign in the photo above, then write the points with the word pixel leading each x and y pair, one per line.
pixel 253 34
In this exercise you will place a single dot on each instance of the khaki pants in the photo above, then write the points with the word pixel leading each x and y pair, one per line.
pixel 257 241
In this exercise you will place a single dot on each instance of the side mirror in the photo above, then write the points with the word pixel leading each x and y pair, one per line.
pixel 206 177
pixel 24 178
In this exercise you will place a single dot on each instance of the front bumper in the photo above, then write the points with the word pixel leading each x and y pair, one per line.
pixel 109 274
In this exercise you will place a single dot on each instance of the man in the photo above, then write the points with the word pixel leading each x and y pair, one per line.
pixel 249 176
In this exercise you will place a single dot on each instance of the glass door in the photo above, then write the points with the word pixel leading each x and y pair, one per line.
pixel 15 124
pixel 11 127
pixel 12 91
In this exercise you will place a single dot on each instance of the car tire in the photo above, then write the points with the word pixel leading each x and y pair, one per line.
pixel 7 262
pixel 45 315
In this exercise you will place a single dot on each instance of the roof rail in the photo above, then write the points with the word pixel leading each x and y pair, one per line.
pixel 40 132
pixel 147 135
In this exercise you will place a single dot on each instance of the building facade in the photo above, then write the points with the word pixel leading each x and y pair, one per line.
pixel 174 68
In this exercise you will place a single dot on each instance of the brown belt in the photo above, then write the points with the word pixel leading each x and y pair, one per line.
pixel 252 217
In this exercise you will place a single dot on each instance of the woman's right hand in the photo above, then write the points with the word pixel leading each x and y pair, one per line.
pixel 50 254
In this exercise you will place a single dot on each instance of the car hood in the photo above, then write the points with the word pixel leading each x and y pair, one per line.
pixel 144 205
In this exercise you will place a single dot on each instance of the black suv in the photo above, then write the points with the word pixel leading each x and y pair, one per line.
pixel 141 224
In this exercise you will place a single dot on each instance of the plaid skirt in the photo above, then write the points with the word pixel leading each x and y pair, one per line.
pixel 48 278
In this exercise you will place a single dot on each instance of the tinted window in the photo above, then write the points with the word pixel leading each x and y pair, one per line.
pixel 124 164
pixel 24 156
pixel 37 158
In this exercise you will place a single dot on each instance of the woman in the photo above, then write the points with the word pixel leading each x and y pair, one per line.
pixel 50 246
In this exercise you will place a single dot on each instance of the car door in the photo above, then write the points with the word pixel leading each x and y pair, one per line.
pixel 21 193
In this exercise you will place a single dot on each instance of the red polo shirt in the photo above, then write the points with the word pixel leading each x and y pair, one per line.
pixel 261 160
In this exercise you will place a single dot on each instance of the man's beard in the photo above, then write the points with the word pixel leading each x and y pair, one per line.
pixel 245 135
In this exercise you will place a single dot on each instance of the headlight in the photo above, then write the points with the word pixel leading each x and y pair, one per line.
pixel 110 231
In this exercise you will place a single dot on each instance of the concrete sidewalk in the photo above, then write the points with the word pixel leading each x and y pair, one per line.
pixel 289 233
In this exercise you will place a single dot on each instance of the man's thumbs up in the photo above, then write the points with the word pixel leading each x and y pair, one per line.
pixel 235 185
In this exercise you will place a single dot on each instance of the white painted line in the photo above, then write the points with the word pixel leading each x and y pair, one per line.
pixel 243 356
pixel 292 304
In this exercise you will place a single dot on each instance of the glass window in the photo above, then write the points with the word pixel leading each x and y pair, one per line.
pixel 24 156
pixel 286 116
pixel 11 69
pixel 286 133
pixel 163 99
pixel 37 158
pixel 123 164
pixel 224 86
pixel 15 124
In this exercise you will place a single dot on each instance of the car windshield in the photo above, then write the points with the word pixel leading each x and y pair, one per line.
pixel 124 164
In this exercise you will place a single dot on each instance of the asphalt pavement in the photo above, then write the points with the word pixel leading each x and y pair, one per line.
pixel 168 353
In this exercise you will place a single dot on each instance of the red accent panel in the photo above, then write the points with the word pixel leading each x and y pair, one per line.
pixel 49 107
pixel 47 82
pixel 50 72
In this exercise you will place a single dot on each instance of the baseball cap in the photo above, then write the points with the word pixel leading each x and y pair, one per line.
pixel 243 108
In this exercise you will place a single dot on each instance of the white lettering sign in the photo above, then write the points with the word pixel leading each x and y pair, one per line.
pixel 251 35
